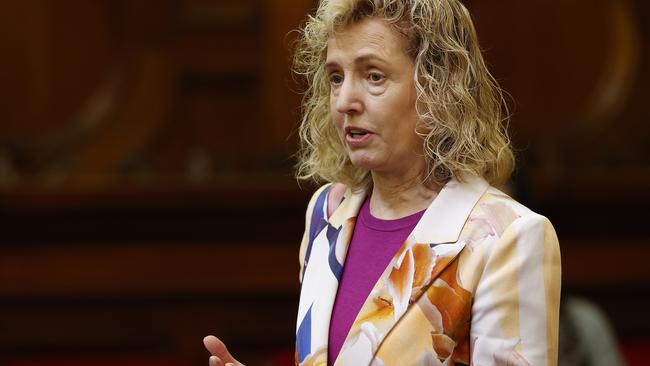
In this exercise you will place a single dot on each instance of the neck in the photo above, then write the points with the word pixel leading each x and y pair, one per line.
pixel 396 196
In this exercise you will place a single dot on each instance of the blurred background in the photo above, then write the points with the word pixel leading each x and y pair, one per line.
pixel 146 190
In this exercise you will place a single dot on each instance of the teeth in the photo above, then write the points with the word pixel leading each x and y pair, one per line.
pixel 357 132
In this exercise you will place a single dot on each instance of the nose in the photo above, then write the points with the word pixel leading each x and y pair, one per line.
pixel 349 98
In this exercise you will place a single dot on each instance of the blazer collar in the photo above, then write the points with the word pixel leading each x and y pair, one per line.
pixel 441 222
pixel 349 207
pixel 444 219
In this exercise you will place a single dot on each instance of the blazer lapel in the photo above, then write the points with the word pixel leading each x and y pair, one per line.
pixel 321 278
pixel 428 250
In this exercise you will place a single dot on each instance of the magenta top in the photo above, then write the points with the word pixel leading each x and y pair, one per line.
pixel 374 243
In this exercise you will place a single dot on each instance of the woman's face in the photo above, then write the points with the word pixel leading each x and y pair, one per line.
pixel 373 97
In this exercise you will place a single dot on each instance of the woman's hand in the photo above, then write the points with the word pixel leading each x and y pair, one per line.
pixel 220 355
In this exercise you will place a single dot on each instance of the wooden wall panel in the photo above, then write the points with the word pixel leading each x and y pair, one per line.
pixel 144 274
pixel 577 74
pixel 116 92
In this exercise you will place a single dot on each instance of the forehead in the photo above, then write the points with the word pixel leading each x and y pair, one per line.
pixel 368 35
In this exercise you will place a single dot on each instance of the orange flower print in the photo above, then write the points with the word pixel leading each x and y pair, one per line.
pixel 447 306
pixel 400 281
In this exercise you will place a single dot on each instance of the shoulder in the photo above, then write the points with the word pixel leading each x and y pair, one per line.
pixel 321 205
pixel 498 222
pixel 517 229
pixel 503 211
pixel 318 198
pixel 335 197
pixel 313 217
pixel 324 201
pixel 327 198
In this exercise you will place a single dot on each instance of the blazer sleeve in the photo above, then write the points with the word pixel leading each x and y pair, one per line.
pixel 516 305
pixel 304 244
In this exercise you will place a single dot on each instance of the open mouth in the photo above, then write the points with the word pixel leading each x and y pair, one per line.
pixel 356 133
pixel 357 137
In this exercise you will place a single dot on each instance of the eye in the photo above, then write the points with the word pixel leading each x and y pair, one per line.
pixel 375 77
pixel 336 79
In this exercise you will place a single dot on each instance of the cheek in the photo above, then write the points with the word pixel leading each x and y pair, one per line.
pixel 337 118
pixel 402 121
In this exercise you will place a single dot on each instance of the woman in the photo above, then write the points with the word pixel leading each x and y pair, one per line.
pixel 412 257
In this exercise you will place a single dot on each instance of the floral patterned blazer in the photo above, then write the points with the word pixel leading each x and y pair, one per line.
pixel 477 282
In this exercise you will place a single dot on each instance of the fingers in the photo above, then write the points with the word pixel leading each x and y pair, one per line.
pixel 216 347
pixel 216 361
pixel 219 350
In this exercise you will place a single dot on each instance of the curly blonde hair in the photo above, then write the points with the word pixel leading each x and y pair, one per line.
pixel 463 116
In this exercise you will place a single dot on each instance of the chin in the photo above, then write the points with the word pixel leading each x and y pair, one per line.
pixel 364 162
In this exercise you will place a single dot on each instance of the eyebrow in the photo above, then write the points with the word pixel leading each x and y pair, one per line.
pixel 363 58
